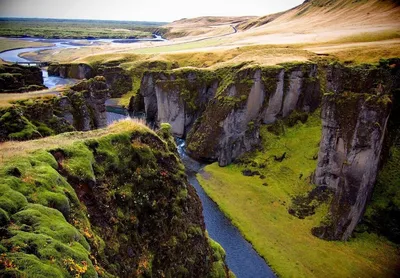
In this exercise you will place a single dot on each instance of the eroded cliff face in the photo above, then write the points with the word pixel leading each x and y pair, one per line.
pixel 229 127
pixel 355 112
pixel 118 80
pixel 80 108
pixel 177 97
pixel 356 107
pixel 220 111
pixel 15 78
pixel 112 203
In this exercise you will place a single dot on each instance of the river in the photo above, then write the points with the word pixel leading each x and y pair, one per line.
pixel 241 258
pixel 53 81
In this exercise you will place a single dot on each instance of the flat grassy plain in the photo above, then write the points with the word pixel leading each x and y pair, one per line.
pixel 69 28
pixel 7 44
pixel 259 208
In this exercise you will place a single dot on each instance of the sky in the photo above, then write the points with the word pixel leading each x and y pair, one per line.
pixel 143 10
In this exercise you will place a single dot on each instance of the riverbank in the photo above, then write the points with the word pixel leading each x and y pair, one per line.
pixel 258 206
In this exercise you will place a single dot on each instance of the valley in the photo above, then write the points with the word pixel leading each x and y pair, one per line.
pixel 288 122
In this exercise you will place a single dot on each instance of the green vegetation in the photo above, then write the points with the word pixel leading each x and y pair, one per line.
pixel 65 28
pixel 259 205
pixel 105 203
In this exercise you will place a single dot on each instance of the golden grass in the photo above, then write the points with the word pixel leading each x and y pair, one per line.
pixel 261 212
pixel 11 149
pixel 6 44
pixel 7 100
pixel 371 54
pixel 369 37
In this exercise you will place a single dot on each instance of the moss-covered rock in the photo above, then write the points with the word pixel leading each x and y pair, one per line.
pixel 114 204
pixel 16 78
pixel 81 108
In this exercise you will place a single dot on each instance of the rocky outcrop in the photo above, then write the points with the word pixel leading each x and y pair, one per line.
pixel 355 113
pixel 177 97
pixel 15 79
pixel 81 108
pixel 76 71
pixel 114 203
pixel 88 103
pixel 118 80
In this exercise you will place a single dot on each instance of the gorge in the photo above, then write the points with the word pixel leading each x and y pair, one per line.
pixel 237 147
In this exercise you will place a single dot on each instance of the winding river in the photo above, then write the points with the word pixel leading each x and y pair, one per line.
pixel 241 258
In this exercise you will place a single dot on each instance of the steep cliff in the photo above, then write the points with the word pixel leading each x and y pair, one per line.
pixel 112 202
pixel 80 108
pixel 246 98
pixel 177 97
pixel 77 71
pixel 224 124
pixel 15 78
pixel 220 111
pixel 355 112
pixel 117 79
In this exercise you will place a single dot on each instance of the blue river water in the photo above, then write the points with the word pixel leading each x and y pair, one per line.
pixel 241 257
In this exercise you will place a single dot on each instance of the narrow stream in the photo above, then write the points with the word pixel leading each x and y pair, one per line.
pixel 241 258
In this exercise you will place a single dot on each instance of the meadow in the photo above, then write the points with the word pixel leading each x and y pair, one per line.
pixel 71 28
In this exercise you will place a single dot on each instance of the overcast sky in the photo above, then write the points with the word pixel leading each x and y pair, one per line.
pixel 143 10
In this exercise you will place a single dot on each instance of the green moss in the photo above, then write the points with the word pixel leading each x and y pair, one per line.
pixel 79 161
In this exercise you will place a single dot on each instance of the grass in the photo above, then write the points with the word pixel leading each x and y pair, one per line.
pixel 181 46
pixel 261 212
pixel 7 44
pixel 7 100
pixel 369 54
pixel 56 28
pixel 10 149
pixel 369 37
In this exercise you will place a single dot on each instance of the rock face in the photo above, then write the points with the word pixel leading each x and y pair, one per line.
pixel 230 124
pixel 76 71
pixel 220 112
pixel 177 97
pixel 117 204
pixel 355 112
pixel 81 108
pixel 15 78
pixel 117 79
pixel 356 107
pixel 89 104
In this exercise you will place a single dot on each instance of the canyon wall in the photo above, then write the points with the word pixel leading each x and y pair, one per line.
pixel 110 203
pixel 80 108
pixel 355 112
pixel 18 79
pixel 118 80
pixel 219 114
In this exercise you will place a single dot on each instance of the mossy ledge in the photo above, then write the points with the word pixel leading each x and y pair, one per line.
pixel 104 203
pixel 82 107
